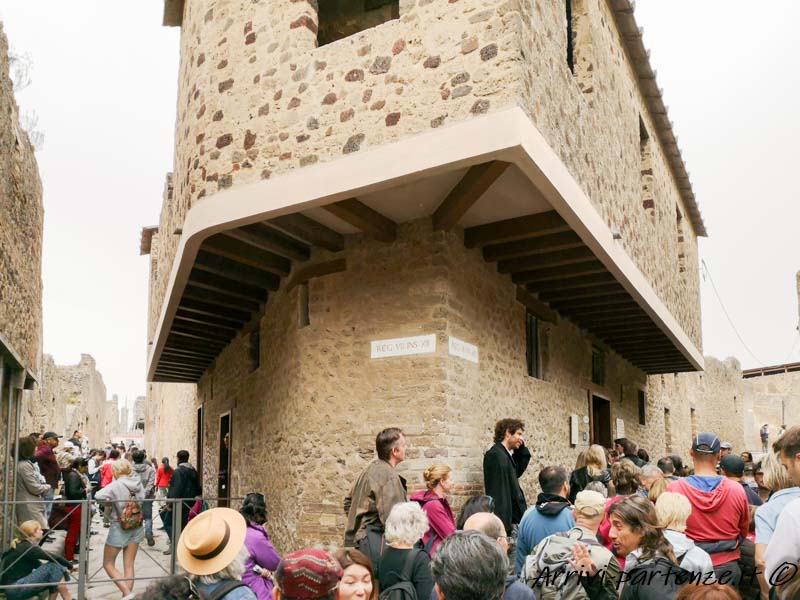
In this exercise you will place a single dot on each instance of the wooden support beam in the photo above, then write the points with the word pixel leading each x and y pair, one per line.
pixel 217 283
pixel 188 370
pixel 229 332
pixel 176 347
pixel 218 298
pixel 260 236
pixel 205 332
pixel 197 317
pixel 247 254
pixel 593 323
pixel 161 378
pixel 572 283
pixel 623 329
pixel 537 308
pixel 213 310
pixel 536 245
pixel 309 231
pixel 603 289
pixel 362 217
pixel 539 224
pixel 225 267
pixel 627 306
pixel 198 341
pixel 191 375
pixel 558 273
pixel 169 357
pixel 551 259
pixel 318 270
pixel 610 299
pixel 616 338
pixel 466 193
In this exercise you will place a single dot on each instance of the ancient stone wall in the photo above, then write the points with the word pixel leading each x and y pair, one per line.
pixel 170 423
pixel 21 222
pixel 69 397
pixel 111 414
pixel 772 399
pixel 258 98
pixel 317 400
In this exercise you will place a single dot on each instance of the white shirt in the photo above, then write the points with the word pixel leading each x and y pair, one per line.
pixel 784 547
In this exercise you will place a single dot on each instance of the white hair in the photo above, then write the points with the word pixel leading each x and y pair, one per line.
pixel 652 472
pixel 406 524
pixel 234 570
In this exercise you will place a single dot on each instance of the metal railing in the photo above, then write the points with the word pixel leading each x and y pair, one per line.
pixel 172 519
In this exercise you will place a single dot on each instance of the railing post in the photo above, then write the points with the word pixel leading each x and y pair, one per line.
pixel 85 537
pixel 177 522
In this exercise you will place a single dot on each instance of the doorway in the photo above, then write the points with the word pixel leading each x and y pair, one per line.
pixel 223 477
pixel 601 422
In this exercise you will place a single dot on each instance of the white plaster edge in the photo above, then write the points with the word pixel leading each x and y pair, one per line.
pixel 506 135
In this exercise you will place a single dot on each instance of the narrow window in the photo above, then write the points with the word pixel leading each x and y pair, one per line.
pixel 642 408
pixel 680 243
pixel 304 317
pixel 532 345
pixel 570 38
pixel 255 350
pixel 667 430
pixel 580 51
pixel 646 158
pixel 339 19
pixel 598 366
pixel 693 417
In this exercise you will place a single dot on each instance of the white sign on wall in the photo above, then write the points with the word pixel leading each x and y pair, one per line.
pixel 620 428
pixel 463 350
pixel 420 344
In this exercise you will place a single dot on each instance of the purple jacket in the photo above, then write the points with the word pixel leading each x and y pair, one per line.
pixel 263 554
pixel 440 517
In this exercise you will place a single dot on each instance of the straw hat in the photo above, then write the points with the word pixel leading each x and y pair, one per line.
pixel 211 541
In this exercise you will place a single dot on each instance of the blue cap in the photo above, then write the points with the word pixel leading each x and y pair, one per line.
pixel 706 443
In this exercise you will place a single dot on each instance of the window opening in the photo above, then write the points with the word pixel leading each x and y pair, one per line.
pixel 532 345
pixel 338 19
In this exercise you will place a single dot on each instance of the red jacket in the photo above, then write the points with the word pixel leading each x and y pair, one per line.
pixel 719 514
pixel 48 465
pixel 440 517
pixel 162 477
pixel 106 474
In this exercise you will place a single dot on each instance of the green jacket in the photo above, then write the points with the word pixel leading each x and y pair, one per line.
pixel 377 489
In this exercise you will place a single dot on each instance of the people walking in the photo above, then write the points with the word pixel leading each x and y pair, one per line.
pixel 184 484
pixel 595 469
pixel 764 435
pixel 147 475
pixel 25 563
pixel 163 475
pixel 48 466
pixel 262 558
pixel 551 514
pixel 31 490
pixel 375 491
pixel 124 496
pixel 720 513
pixel 503 464
pixel 433 501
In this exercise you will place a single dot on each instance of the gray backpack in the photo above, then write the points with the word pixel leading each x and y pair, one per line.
pixel 547 569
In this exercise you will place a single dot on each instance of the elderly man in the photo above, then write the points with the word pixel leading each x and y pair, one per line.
pixel 549 568
pixel 650 474
pixel 491 526
pixel 469 566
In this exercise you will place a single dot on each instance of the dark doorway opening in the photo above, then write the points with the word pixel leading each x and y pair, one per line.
pixel 223 477
pixel 601 422
pixel 199 449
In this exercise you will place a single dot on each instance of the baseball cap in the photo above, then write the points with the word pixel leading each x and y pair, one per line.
pixel 732 464
pixel 726 446
pixel 706 443
pixel 50 434
pixel 308 574
pixel 590 503
pixel 69 445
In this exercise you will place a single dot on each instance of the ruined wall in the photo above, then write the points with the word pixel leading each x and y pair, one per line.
pixel 317 400
pixel 111 427
pixel 258 98
pixel 718 397
pixel 21 222
pixel 170 420
pixel 772 399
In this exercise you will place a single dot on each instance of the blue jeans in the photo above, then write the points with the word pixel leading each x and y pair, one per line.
pixel 48 573
pixel 147 513
pixel 48 508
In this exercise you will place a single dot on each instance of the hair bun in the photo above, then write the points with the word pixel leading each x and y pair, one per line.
pixel 427 473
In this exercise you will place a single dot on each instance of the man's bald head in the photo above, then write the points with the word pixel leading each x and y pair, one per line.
pixel 487 523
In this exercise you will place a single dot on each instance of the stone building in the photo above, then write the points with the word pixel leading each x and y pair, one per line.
pixel 124 420
pixel 112 419
pixel 69 397
pixel 138 413
pixel 419 213
pixel 21 222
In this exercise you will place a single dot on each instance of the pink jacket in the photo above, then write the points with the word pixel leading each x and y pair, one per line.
pixel 440 517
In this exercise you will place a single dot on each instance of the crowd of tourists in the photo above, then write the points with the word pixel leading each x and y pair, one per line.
pixel 619 525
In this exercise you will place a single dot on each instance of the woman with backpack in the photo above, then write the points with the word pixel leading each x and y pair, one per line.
pixel 404 571
pixel 593 469
pixel 433 501
pixel 124 496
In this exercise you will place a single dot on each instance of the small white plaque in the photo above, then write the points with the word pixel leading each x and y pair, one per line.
pixel 420 344
pixel 463 350
pixel 620 428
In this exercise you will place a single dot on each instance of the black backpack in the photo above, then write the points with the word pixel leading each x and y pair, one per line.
pixel 221 590
pixel 403 589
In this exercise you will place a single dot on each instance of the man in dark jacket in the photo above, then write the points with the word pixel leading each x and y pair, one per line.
pixel 627 449
pixel 184 484
pixel 503 465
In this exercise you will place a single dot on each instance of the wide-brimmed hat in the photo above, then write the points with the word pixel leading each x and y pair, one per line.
pixel 211 541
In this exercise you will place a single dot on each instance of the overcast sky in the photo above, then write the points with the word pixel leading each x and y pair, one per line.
pixel 104 89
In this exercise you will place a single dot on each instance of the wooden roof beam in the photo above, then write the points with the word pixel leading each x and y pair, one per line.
pixel 508 230
pixel 205 308
pixel 537 308
pixel 476 182
pixel 572 283
pixel 309 231
pixel 220 299
pixel 558 273
pixel 231 287
pixel 247 255
pixel 530 246
pixel 225 267
pixel 260 236
pixel 558 258
pixel 362 217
